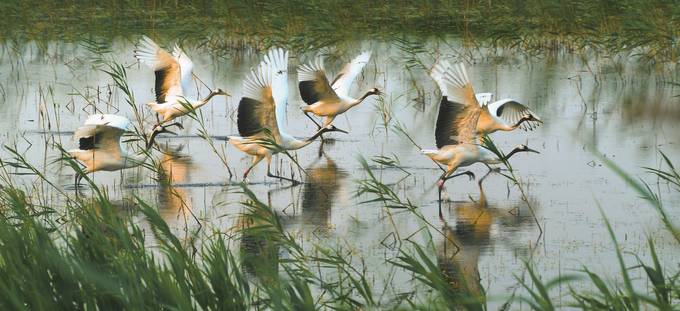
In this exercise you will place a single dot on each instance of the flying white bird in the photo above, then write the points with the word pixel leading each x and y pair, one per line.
pixel 100 147
pixel 503 115
pixel 329 99
pixel 173 79
pixel 261 115
pixel 456 130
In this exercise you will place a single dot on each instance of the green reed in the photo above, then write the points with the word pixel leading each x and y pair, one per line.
pixel 645 30
pixel 98 256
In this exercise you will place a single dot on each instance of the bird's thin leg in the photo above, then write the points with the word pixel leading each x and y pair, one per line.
pixel 444 177
pixel 328 120
pixel 493 169
pixel 269 173
pixel 256 160
pixel 471 175
pixel 440 186
pixel 479 183
pixel 177 124
pixel 79 177
pixel 440 203
pixel 310 117
pixel 321 149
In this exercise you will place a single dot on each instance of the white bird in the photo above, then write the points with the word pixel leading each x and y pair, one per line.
pixel 329 99
pixel 456 130
pixel 173 79
pixel 100 147
pixel 503 115
pixel 261 116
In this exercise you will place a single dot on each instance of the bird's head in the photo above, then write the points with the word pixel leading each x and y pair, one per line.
pixel 374 91
pixel 332 128
pixel 220 92
pixel 524 148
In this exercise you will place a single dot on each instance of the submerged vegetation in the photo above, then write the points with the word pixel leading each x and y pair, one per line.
pixel 643 29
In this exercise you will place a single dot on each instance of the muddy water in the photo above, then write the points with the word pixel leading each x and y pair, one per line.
pixel 627 113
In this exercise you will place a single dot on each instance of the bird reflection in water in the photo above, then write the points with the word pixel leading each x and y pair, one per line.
pixel 459 253
pixel 319 193
pixel 174 169
pixel 259 250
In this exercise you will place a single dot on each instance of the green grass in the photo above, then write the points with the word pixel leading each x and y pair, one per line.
pixel 644 29
pixel 90 253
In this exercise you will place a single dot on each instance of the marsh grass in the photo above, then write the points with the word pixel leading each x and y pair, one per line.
pixel 87 252
pixel 646 30
pixel 644 190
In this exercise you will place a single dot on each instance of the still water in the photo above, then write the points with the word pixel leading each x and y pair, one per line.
pixel 627 112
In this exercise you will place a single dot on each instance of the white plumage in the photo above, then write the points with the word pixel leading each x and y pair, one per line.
pixel 173 78
pixel 329 99
pixel 100 147
pixel 502 115
pixel 261 113
pixel 344 79
pixel 457 130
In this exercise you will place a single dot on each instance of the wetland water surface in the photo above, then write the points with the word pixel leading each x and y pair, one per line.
pixel 628 114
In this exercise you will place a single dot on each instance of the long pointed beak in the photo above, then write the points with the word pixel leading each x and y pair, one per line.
pixel 341 131
pixel 532 150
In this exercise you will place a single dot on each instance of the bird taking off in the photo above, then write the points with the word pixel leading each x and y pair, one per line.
pixel 173 78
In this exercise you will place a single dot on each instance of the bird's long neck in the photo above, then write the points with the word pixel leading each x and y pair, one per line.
pixel 360 99
pixel 204 101
pixel 300 143
pixel 315 136
pixel 507 156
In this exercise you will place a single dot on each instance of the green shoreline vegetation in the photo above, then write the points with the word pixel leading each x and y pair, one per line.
pixel 645 29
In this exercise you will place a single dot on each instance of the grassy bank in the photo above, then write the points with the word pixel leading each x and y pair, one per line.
pixel 648 29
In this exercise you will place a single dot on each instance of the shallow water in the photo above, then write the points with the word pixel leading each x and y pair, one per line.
pixel 628 114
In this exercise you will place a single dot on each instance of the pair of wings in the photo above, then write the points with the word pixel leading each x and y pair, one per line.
pixel 173 71
pixel 102 132
pixel 314 85
pixel 263 105
pixel 460 107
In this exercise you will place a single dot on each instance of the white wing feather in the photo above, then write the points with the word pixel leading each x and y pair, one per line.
pixel 147 52
pixel 108 128
pixel 452 80
pixel 111 120
pixel 186 67
pixel 151 54
pixel 349 73
pixel 277 63
pixel 484 98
